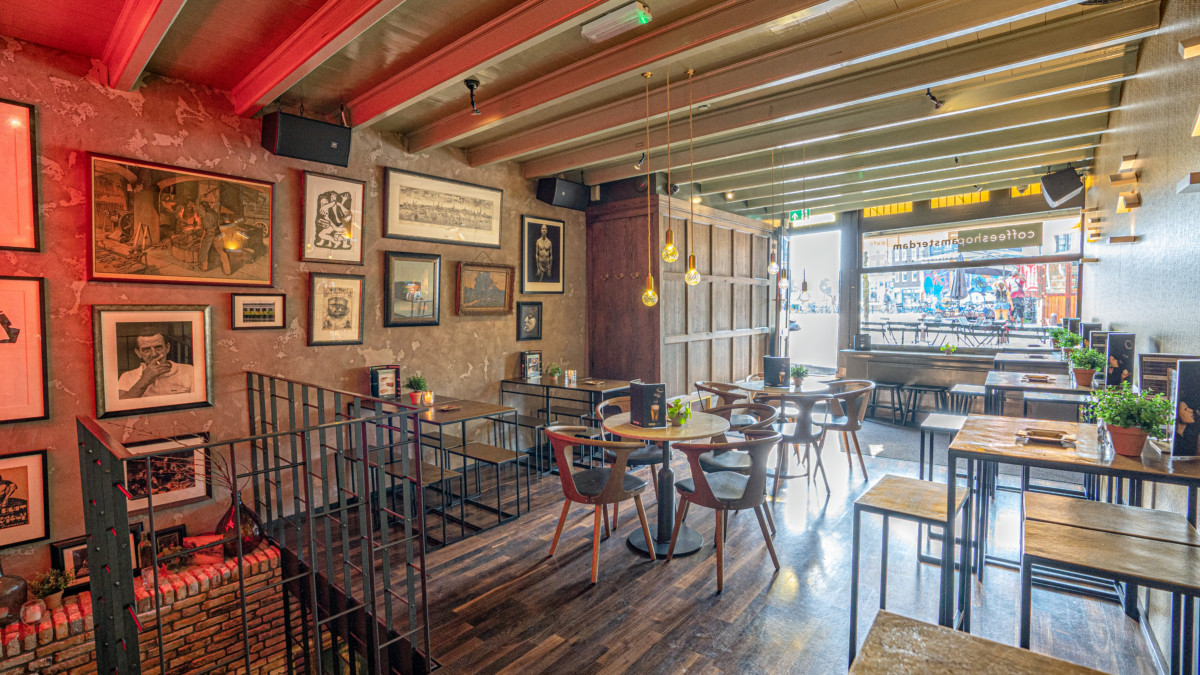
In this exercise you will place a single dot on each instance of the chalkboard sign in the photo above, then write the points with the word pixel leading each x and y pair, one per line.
pixel 1071 325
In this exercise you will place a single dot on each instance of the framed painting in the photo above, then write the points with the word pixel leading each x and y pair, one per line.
pixel 25 516
pixel 152 358
pixel 173 478
pixel 484 288
pixel 257 310
pixel 529 321
pixel 335 309
pixel 542 245
pixel 72 555
pixel 333 208
pixel 158 223
pixel 412 289
pixel 25 394
pixel 428 208
pixel 19 221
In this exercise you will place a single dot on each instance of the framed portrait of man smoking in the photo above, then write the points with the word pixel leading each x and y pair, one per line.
pixel 335 309
pixel 542 246
pixel 152 358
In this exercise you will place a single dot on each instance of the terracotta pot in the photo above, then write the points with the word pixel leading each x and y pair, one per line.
pixel 798 382
pixel 415 397
pixel 54 600
pixel 676 420
pixel 1067 353
pixel 1084 376
pixel 1127 441
pixel 247 523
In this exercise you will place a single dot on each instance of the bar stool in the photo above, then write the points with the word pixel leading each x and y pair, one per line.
pixel 941 400
pixel 896 401
pixel 910 499
pixel 937 423
pixel 962 397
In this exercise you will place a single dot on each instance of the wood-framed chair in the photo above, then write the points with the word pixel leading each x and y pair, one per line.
pixel 726 393
pixel 727 491
pixel 598 487
pixel 798 428
pixel 762 418
pixel 649 455
pixel 848 401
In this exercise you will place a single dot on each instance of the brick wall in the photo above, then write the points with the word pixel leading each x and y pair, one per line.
pixel 201 618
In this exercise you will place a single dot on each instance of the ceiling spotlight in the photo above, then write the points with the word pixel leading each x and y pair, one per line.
pixel 978 188
pixel 674 188
pixel 696 199
pixel 640 162
pixel 729 196
pixel 472 85
pixel 620 20
pixel 937 103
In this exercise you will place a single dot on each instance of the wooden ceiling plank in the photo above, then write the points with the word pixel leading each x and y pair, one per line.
pixel 860 44
pixel 135 36
pixel 706 29
pixel 518 28
pixel 336 24
pixel 1100 28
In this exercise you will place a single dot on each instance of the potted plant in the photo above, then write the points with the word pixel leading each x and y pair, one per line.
pixel 1069 341
pixel 679 412
pixel 553 370
pixel 1130 417
pixel 1056 334
pixel 1086 362
pixel 948 349
pixel 416 386
pixel 799 372
pixel 49 586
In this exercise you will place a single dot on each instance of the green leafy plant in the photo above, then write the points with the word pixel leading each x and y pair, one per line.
pixel 1070 340
pixel 680 411
pixel 799 371
pixel 51 582
pixel 948 349
pixel 1087 359
pixel 1121 407
pixel 416 383
pixel 1056 335
pixel 553 370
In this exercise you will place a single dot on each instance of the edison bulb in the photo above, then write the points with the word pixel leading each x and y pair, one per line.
pixel 783 282
pixel 805 297
pixel 692 277
pixel 670 253
pixel 773 266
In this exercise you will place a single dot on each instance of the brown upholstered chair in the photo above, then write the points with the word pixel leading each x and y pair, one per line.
pixel 598 487
pixel 847 409
pixel 650 455
pixel 760 417
pixel 726 393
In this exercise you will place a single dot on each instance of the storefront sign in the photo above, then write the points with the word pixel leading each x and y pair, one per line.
pixel 980 239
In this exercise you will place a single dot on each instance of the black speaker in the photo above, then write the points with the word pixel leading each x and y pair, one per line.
pixel 302 138
pixel 564 193
pixel 1060 186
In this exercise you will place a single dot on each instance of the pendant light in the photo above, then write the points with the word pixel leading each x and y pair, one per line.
pixel 773 265
pixel 669 253
pixel 649 297
pixel 804 296
pixel 691 277
pixel 783 281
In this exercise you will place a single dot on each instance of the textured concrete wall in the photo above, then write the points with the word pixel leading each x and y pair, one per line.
pixel 183 124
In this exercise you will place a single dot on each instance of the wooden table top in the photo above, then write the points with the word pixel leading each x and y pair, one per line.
pixel 898 644
pixel 1027 357
pixel 580 384
pixel 701 425
pixel 809 386
pixel 467 410
pixel 1147 560
pixel 1055 384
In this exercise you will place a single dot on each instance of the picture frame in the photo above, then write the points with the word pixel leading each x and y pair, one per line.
pixel 335 309
pixel 169 536
pixel 72 554
pixel 179 478
pixel 333 219
pixel 412 289
pixel 529 321
pixel 25 517
pixel 132 343
pixel 483 289
pixel 542 246
pixel 25 395
pixel 421 207
pixel 164 224
pixel 385 381
pixel 20 221
pixel 257 311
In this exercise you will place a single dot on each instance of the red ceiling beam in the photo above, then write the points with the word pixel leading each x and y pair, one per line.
pixel 527 21
pixel 139 29
pixel 332 27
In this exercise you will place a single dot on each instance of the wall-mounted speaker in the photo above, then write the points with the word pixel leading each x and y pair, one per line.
pixel 1061 186
pixel 564 193
pixel 302 138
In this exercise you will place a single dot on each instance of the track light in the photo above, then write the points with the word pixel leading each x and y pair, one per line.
pixel 640 162
pixel 937 103
pixel 472 85
pixel 729 196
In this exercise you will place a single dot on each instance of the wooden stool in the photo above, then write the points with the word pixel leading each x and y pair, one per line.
pixel 962 397
pixel 895 404
pixel 911 499
pixel 941 399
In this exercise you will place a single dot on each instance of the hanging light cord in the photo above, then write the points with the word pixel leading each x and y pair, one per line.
pixel 649 245
pixel 668 148
pixel 691 169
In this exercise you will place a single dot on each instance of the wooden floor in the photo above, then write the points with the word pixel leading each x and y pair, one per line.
pixel 498 603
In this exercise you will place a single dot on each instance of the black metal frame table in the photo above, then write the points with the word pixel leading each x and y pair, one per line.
pixel 1029 362
pixel 999 383
pixel 542 387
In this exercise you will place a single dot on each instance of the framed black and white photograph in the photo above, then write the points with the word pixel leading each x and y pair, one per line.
pixel 152 358
pixel 529 321
pixel 181 476
pixel 25 395
pixel 483 288
pixel 257 310
pixel 335 309
pixel 542 245
pixel 384 381
pixel 20 218
pixel 333 230
pixel 428 208
pixel 72 555
pixel 412 289
pixel 24 515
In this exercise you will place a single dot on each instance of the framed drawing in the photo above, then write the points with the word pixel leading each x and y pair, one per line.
pixel 19 220
pixel 257 310
pixel 412 289
pixel 529 321
pixel 72 554
pixel 429 208
pixel 25 516
pixel 333 208
pixel 176 478
pixel 335 309
pixel 25 394
pixel 542 244
pixel 152 358
pixel 157 223
pixel 484 288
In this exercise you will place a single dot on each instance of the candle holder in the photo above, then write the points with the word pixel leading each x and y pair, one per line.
pixel 427 398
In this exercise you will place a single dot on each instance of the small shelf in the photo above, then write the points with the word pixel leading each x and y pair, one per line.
pixel 1190 183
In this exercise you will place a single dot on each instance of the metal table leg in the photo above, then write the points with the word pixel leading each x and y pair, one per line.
pixel 689 540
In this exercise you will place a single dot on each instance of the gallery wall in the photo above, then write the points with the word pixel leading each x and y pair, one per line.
pixel 182 124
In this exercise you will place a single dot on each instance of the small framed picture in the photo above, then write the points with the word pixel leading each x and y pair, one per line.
pixel 25 395
pixel 72 555
pixel 152 358
pixel 412 289
pixel 170 537
pixel 335 309
pixel 333 231
pixel 384 380
pixel 529 321
pixel 26 503
pixel 257 310
pixel 542 244
pixel 180 477
pixel 19 227
pixel 484 288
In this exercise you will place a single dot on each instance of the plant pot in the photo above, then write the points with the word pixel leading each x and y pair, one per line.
pixel 54 600
pixel 247 523
pixel 676 421
pixel 1084 376
pixel 415 397
pixel 1127 441
pixel 797 382
pixel 32 611
pixel 1067 353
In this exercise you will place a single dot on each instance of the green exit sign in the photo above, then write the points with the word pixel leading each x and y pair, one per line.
pixel 799 216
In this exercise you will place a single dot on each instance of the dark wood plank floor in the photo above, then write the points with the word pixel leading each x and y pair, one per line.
pixel 498 603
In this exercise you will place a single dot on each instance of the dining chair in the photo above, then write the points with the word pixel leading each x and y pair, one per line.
pixel 599 487
pixel 847 409
pixel 726 492
pixel 726 393
pixel 762 418
pixel 650 455
pixel 796 425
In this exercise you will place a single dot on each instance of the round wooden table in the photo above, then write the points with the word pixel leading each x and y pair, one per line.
pixel 809 386
pixel 700 426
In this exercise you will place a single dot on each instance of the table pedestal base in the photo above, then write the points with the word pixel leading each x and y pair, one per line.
pixel 689 542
